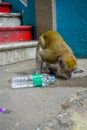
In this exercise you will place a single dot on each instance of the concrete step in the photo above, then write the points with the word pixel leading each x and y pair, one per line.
pixel 10 19
pixel 17 51
pixel 15 34
pixel 5 7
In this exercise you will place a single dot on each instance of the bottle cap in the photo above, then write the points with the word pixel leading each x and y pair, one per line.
pixel 53 78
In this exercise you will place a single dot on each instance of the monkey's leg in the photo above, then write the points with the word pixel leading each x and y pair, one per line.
pixel 39 62
pixel 47 67
pixel 45 54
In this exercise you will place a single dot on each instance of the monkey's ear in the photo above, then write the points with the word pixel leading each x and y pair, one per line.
pixel 60 60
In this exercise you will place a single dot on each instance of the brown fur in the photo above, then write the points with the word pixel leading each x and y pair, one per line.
pixel 52 49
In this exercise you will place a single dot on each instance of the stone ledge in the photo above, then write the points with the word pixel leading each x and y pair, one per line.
pixel 72 114
pixel 17 45
pixel 16 52
pixel 10 19
pixel 10 15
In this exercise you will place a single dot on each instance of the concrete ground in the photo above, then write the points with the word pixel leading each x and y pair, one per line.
pixel 28 107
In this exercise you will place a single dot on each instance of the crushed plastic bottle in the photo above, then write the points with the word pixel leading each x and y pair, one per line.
pixel 32 80
pixel 5 110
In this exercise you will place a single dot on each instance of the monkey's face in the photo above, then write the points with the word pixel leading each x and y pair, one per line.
pixel 60 70
pixel 63 70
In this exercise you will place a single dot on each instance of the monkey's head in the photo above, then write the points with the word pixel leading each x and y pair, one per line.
pixel 66 64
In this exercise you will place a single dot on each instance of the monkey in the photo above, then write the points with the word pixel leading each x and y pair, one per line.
pixel 53 50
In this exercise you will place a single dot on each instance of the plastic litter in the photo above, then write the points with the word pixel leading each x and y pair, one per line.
pixel 32 80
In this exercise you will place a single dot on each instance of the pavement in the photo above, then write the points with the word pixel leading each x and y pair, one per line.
pixel 26 108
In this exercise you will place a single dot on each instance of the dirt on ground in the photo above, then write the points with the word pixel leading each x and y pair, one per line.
pixel 72 114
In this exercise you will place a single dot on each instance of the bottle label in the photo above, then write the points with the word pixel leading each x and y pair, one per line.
pixel 37 79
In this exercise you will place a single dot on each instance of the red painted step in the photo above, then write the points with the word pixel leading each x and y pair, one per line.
pixel 5 7
pixel 15 34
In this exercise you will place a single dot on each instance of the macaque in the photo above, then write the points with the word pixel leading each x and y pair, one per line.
pixel 52 49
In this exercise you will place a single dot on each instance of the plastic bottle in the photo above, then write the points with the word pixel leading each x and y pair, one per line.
pixel 32 80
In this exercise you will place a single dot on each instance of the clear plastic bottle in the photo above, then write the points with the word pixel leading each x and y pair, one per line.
pixel 32 80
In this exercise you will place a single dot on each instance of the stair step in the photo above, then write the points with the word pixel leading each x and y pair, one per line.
pixel 10 19
pixel 17 51
pixel 5 7
pixel 14 34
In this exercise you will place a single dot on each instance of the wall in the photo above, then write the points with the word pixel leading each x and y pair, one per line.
pixel 45 15
pixel 72 24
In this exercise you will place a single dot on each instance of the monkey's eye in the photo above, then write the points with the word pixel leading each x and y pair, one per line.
pixel 68 72
pixel 60 61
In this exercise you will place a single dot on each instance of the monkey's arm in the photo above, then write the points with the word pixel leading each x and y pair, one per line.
pixel 39 61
